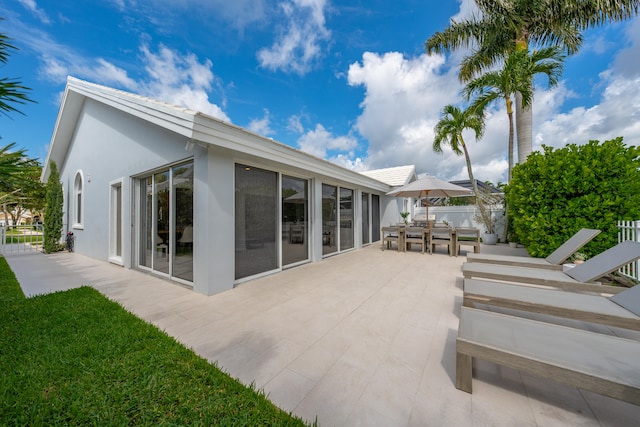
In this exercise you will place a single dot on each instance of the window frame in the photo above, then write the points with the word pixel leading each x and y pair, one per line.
pixel 78 200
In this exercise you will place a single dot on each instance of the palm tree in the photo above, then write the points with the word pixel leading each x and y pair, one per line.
pixel 11 90
pixel 515 77
pixel 505 26
pixel 449 130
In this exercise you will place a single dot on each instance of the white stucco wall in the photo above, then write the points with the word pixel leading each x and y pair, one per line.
pixel 108 145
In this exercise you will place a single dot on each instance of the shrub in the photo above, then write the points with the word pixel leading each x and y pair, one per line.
pixel 53 211
pixel 557 192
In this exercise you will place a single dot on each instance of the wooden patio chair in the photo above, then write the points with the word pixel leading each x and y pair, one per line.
pixel 415 235
pixel 468 237
pixel 389 235
pixel 441 235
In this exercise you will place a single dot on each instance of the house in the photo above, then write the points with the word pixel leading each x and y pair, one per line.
pixel 204 203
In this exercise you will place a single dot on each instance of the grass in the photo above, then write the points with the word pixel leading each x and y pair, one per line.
pixel 75 357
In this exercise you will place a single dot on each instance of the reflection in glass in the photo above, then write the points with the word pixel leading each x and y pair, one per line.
pixel 346 219
pixel 365 218
pixel 183 198
pixel 329 215
pixel 375 218
pixel 147 242
pixel 161 262
pixel 295 202
pixel 256 194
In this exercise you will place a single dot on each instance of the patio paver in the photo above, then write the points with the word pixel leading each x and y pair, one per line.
pixel 363 338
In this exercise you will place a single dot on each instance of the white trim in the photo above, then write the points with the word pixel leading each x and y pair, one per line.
pixel 113 216
pixel 78 194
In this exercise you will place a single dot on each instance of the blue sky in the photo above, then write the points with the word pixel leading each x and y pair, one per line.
pixel 344 80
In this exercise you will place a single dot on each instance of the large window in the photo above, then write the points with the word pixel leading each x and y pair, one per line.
pixel 295 221
pixel 166 222
pixel 78 200
pixel 256 209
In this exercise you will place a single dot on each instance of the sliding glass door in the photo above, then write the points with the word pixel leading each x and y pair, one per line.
pixel 166 222
pixel 295 220
pixel 256 209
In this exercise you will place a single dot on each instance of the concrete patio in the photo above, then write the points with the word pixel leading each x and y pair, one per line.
pixel 365 338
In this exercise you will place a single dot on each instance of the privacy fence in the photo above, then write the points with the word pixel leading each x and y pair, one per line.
pixel 630 230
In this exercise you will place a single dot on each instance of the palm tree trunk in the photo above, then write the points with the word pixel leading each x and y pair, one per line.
pixel 524 124
pixel 486 216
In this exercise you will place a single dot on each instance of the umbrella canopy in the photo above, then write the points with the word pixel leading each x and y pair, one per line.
pixel 429 186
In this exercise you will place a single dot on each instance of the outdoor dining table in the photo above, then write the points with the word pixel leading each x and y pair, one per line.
pixel 400 232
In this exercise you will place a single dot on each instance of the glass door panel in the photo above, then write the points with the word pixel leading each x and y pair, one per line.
pixel 375 218
pixel 256 211
pixel 147 240
pixel 346 219
pixel 295 208
pixel 365 218
pixel 162 221
pixel 182 252
pixel 329 217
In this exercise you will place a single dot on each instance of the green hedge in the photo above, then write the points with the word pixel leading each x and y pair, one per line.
pixel 559 191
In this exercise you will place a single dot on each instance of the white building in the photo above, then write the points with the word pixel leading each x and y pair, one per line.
pixel 207 204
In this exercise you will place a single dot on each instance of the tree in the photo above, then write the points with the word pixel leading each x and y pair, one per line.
pixel 448 130
pixel 505 26
pixel 515 77
pixel 11 90
pixel 559 191
pixel 53 211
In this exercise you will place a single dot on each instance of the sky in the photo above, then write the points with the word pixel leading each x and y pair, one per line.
pixel 347 81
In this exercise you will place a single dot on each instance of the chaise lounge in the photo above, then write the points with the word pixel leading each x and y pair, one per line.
pixel 552 262
pixel 621 310
pixel 581 278
pixel 591 361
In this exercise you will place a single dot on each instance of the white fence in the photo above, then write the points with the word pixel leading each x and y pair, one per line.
pixel 18 239
pixel 630 230
pixel 464 216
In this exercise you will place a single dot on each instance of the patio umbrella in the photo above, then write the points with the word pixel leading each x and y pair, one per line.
pixel 430 186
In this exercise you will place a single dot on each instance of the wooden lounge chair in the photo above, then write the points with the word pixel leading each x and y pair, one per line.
pixel 553 261
pixel 579 278
pixel 610 311
pixel 591 361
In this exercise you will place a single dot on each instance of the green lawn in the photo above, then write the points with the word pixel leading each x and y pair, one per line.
pixel 76 357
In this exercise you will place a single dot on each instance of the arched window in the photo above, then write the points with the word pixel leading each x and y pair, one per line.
pixel 78 200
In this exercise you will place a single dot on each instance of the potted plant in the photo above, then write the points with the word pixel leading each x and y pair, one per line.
pixel 489 237
pixel 404 216
pixel 579 258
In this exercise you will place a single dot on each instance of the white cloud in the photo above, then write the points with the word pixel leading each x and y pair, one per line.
pixel 322 143
pixel 402 104
pixel 176 78
pixel 299 42
pixel 294 124
pixel 616 114
pixel 261 126
pixel 32 7
pixel 180 79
